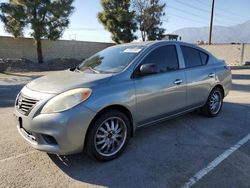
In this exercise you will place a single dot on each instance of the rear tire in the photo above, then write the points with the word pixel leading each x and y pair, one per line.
pixel 214 103
pixel 108 136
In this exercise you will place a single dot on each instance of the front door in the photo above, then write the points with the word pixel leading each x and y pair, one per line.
pixel 163 93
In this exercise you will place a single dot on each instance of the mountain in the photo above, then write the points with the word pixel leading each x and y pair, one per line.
pixel 221 34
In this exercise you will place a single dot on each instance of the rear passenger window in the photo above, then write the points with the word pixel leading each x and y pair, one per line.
pixel 193 57
pixel 165 57
pixel 204 58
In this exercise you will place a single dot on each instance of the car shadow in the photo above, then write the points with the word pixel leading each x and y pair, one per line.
pixel 241 76
pixel 241 87
pixel 165 155
pixel 128 170
pixel 240 82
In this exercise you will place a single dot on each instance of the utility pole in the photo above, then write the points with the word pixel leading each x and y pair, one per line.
pixel 211 24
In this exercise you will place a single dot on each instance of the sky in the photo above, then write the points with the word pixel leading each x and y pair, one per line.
pixel 84 24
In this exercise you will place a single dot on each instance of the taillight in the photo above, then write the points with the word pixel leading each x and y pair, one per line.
pixel 227 67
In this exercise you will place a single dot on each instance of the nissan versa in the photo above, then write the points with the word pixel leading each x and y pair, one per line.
pixel 97 106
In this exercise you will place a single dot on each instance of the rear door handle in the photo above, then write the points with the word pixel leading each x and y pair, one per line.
pixel 211 75
pixel 177 81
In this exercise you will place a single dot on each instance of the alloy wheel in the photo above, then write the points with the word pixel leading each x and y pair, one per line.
pixel 215 102
pixel 110 136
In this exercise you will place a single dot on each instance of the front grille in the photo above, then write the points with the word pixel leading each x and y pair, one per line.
pixel 25 104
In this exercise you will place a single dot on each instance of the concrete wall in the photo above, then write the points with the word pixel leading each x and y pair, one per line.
pixel 233 54
pixel 26 48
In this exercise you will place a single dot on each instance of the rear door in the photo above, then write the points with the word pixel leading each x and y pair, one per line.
pixel 163 93
pixel 199 74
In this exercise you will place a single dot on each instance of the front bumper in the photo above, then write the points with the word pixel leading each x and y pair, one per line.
pixel 58 133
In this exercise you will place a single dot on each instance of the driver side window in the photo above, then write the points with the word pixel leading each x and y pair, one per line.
pixel 165 58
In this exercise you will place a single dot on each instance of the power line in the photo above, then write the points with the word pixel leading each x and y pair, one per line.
pixel 197 16
pixel 185 18
pixel 231 13
pixel 203 2
pixel 204 10
pixel 191 6
pixel 218 9
pixel 189 13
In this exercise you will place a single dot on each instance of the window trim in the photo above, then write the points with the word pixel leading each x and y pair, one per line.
pixel 199 50
pixel 206 55
pixel 145 56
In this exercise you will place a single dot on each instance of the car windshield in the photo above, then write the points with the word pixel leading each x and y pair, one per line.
pixel 111 60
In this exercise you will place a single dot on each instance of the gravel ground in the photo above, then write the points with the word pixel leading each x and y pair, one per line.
pixel 164 155
pixel 24 65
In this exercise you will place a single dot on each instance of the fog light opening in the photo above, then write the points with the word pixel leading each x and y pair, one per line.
pixel 49 139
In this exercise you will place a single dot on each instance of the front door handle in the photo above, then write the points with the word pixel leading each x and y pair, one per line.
pixel 177 81
pixel 211 75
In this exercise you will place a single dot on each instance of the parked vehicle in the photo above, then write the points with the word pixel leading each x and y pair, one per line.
pixel 97 106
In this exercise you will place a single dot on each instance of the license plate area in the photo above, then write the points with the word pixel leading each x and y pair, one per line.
pixel 25 132
pixel 20 122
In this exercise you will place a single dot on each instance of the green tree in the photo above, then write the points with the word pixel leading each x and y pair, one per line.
pixel 118 20
pixel 45 19
pixel 149 15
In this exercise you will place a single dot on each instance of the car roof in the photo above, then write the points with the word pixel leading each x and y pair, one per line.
pixel 149 43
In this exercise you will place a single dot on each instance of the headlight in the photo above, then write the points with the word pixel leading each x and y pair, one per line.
pixel 66 100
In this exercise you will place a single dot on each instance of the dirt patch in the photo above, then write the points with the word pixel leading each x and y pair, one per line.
pixel 25 65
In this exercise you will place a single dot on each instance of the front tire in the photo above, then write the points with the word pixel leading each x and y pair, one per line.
pixel 214 103
pixel 108 135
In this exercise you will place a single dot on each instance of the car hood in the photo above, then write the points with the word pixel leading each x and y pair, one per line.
pixel 61 81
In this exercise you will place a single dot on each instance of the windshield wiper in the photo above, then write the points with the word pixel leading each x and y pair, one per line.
pixel 90 68
pixel 96 71
pixel 76 69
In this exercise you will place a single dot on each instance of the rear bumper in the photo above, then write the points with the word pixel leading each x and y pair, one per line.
pixel 227 84
pixel 58 133
pixel 224 78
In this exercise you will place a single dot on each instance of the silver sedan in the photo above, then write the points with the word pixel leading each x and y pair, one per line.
pixel 97 106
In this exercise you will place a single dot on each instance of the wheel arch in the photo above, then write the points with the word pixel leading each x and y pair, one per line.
pixel 118 107
pixel 220 87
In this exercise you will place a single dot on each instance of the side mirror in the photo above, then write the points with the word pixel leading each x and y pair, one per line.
pixel 148 68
